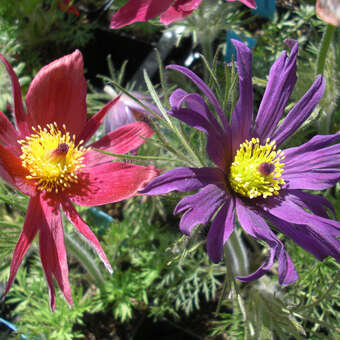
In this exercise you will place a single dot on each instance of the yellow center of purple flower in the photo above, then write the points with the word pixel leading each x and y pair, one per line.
pixel 256 170
pixel 52 158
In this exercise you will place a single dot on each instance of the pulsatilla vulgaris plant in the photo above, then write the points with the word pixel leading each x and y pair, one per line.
pixel 45 157
pixel 253 181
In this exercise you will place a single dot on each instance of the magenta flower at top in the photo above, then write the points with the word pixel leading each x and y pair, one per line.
pixel 45 157
pixel 170 11
pixel 253 181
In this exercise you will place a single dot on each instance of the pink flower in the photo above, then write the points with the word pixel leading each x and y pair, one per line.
pixel 328 11
pixel 45 157
pixel 170 11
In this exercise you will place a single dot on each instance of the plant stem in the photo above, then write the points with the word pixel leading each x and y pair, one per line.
pixel 135 157
pixel 236 252
pixel 324 46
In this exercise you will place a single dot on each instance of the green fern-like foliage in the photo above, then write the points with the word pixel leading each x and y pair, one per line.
pixel 35 319
pixel 10 48
pixel 146 276
pixel 10 225
pixel 44 31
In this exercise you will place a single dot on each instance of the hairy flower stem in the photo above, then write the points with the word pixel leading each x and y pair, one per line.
pixel 207 50
pixel 235 251
pixel 85 259
pixel 324 46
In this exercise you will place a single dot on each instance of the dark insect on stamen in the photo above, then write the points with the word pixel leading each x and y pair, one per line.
pixel 62 149
pixel 266 168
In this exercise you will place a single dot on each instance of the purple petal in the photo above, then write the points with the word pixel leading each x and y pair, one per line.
pixel 200 207
pixel 118 116
pixel 287 271
pixel 318 205
pixel 319 244
pixel 176 98
pixel 183 180
pixel 145 99
pixel 243 112
pixel 256 226
pixel 192 118
pixel 313 165
pixel 127 111
pixel 286 209
pixel 199 116
pixel 221 228
pixel 196 103
pixel 295 156
pixel 314 180
pixel 218 149
pixel 324 158
pixel 301 111
pixel 205 89
pixel 282 79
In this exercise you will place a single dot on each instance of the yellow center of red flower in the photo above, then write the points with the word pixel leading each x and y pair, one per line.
pixel 52 158
pixel 256 170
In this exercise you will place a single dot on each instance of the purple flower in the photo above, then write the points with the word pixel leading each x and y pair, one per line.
pixel 126 110
pixel 254 182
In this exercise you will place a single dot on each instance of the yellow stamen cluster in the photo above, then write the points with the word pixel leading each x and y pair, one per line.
pixel 52 158
pixel 256 170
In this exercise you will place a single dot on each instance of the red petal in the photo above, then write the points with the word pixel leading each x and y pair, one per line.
pixel 84 229
pixel 58 94
pixel 179 10
pixel 12 171
pixel 187 5
pixel 33 216
pixel 249 3
pixel 111 182
pixel 93 124
pixel 172 15
pixel 139 10
pixel 122 140
pixel 8 134
pixel 65 7
pixel 52 250
pixel 19 111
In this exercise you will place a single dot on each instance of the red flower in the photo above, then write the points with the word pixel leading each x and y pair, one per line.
pixel 45 157
pixel 170 11
pixel 64 5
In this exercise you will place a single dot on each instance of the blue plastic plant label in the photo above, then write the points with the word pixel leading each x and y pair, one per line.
pixel 265 8
pixel 230 49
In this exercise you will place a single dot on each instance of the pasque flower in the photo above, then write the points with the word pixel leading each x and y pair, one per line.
pixel 126 110
pixel 170 11
pixel 45 157
pixel 253 181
